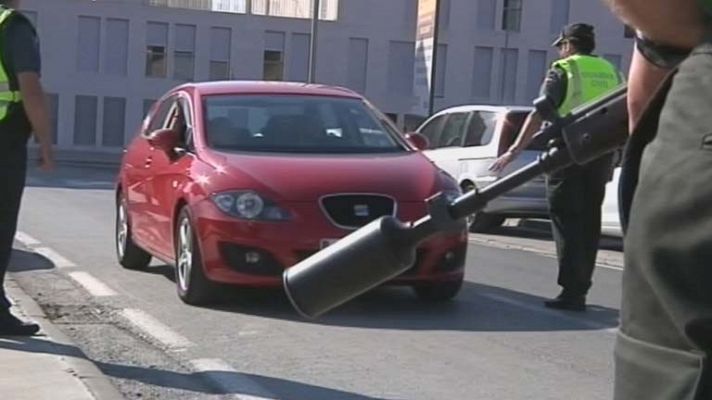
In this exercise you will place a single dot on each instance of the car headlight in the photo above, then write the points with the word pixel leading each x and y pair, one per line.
pixel 249 205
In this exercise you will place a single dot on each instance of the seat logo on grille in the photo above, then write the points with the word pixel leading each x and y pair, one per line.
pixel 361 210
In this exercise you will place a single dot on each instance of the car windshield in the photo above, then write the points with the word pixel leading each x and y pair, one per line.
pixel 296 124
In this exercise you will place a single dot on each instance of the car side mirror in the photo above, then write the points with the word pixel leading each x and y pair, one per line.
pixel 417 140
pixel 164 139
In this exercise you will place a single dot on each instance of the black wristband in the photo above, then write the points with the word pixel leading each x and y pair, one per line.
pixel 662 56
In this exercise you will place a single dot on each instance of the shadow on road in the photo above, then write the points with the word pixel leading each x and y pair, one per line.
pixel 478 308
pixel 541 230
pixel 22 261
pixel 198 382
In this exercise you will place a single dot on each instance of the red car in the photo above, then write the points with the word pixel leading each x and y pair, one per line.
pixel 232 182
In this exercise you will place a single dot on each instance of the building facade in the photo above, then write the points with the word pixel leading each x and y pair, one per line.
pixel 106 61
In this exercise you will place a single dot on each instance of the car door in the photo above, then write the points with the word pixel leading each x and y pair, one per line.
pixel 479 149
pixel 168 172
pixel 139 160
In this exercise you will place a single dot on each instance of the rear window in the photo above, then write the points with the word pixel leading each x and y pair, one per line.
pixel 512 128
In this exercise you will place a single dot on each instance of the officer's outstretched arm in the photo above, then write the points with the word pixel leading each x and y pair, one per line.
pixel 35 103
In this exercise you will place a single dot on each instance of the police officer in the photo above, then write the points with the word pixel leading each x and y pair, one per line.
pixel 575 194
pixel 664 347
pixel 23 109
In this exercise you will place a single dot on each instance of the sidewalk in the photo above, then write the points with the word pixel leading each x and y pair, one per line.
pixel 48 366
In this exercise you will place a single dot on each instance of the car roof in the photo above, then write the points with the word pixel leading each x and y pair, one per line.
pixel 264 87
pixel 486 108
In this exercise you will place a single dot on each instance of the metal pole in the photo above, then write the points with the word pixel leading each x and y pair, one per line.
pixel 433 72
pixel 313 40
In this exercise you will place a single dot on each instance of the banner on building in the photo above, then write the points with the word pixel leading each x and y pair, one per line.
pixel 425 37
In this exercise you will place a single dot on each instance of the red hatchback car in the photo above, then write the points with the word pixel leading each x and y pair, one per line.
pixel 232 182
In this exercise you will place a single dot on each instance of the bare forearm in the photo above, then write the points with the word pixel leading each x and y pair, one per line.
pixel 36 108
pixel 643 82
pixel 531 127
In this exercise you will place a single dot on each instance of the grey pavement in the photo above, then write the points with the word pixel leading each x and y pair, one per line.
pixel 48 366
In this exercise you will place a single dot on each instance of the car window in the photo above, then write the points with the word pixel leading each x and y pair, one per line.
pixel 293 123
pixel 432 130
pixel 158 119
pixel 486 123
pixel 179 121
pixel 481 128
pixel 453 133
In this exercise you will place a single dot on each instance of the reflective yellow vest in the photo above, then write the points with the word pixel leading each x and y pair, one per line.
pixel 588 78
pixel 7 96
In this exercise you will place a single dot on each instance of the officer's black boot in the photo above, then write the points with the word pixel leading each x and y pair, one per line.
pixel 567 302
pixel 13 326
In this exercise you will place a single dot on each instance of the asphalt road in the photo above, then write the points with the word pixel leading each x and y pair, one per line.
pixel 496 341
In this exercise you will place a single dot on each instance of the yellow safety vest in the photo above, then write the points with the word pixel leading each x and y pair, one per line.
pixel 588 78
pixel 7 96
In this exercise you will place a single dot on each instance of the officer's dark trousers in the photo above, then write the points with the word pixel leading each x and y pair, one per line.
pixel 12 184
pixel 575 198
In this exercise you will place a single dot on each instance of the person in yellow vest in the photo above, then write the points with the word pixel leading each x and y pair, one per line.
pixel 575 194
pixel 23 110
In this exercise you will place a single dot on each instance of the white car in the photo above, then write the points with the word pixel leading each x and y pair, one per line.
pixel 610 219
pixel 466 140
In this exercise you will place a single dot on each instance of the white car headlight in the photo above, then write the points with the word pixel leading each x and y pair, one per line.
pixel 249 205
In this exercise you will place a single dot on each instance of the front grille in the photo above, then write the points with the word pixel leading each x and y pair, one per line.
pixel 355 211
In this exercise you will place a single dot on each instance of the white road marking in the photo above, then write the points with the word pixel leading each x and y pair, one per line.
pixel 155 329
pixel 54 257
pixel 26 239
pixel 230 381
pixel 94 286
pixel 537 309
pixel 542 252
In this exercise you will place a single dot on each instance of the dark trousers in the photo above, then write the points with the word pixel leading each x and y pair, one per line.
pixel 12 184
pixel 575 197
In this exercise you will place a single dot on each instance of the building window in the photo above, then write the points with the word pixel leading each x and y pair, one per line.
pixel 88 44
pixel 220 53
pixel 85 120
pixel 358 64
pixel 560 14
pixel 53 103
pixel 536 72
pixel 508 78
pixel 614 59
pixel 329 9
pixel 440 71
pixel 628 32
pixel 147 104
pixel 273 61
pixel 444 14
pixel 482 74
pixel 299 57
pixel 512 16
pixel 114 121
pixel 156 45
pixel 184 53
pixel 486 14
pixel 401 61
pixel 117 46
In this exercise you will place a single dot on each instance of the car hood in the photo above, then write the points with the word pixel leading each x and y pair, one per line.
pixel 407 176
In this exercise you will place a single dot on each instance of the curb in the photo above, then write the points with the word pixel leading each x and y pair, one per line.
pixel 89 374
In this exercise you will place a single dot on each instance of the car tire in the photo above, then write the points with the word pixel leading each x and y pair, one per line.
pixel 481 222
pixel 438 292
pixel 129 255
pixel 192 285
